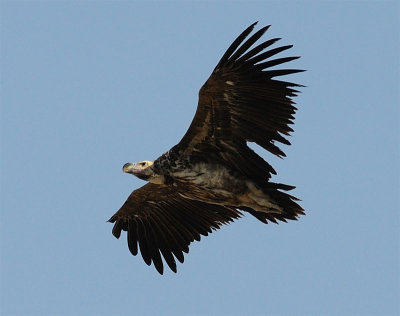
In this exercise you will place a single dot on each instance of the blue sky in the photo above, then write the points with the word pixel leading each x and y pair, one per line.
pixel 88 86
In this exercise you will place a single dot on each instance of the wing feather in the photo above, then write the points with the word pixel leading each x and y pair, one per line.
pixel 161 223
pixel 242 49
pixel 132 237
pixel 236 44
pixel 169 239
pixel 241 102
pixel 254 51
pixel 164 241
pixel 263 56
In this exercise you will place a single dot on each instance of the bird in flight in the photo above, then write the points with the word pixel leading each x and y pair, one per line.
pixel 212 174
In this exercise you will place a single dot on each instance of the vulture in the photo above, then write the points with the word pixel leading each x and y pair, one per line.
pixel 211 175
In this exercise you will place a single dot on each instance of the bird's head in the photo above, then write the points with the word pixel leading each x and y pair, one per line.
pixel 142 169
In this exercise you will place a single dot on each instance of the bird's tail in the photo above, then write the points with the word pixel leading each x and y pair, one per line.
pixel 289 209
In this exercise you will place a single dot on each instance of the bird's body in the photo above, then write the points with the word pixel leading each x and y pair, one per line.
pixel 209 180
pixel 201 182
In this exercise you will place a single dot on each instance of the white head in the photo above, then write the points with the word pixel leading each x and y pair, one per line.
pixel 143 170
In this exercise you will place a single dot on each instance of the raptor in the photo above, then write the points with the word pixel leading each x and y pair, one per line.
pixel 211 175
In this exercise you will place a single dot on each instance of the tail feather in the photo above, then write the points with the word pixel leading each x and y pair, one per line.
pixel 291 210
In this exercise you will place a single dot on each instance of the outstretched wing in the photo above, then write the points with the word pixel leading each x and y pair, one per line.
pixel 241 101
pixel 161 222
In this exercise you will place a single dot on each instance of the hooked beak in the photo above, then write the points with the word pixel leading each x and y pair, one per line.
pixel 130 168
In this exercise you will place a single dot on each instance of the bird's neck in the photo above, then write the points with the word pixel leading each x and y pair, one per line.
pixel 157 179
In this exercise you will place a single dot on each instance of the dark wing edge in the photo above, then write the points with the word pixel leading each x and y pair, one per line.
pixel 242 100
pixel 159 222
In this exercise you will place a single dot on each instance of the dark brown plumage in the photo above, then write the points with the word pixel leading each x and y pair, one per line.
pixel 167 225
pixel 200 183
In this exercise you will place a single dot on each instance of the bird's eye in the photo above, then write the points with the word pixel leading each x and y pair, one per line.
pixel 142 164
